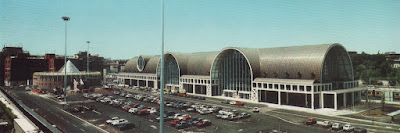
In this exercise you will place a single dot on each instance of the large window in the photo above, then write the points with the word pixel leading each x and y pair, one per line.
pixel 231 71
pixel 337 66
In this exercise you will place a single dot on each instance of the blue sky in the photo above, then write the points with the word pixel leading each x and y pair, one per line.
pixel 122 29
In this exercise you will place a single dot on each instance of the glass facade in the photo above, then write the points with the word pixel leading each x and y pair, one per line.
pixel 337 66
pixel 231 71
pixel 171 70
pixel 140 64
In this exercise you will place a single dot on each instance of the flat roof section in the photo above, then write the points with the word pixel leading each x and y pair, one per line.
pixel 285 81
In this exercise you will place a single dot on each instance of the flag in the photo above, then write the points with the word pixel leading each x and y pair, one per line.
pixel 82 82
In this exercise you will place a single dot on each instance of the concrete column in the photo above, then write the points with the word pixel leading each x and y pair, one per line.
pixel 321 100
pixel 344 100
pixel 279 96
pixel 359 96
pixel 312 100
pixel 287 98
pixel 352 98
pixel 194 89
pixel 335 100
pixel 306 101
pixel 130 82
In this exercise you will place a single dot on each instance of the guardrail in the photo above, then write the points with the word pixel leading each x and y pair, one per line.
pixel 40 125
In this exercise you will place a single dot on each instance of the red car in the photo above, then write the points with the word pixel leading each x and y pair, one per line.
pixel 239 103
pixel 310 121
pixel 174 122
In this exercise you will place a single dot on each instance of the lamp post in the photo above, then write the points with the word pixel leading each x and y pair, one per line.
pixel 65 18
pixel 87 57
pixel 162 71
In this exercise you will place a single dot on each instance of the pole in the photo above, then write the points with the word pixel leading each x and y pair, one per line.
pixel 65 65
pixel 162 71
pixel 87 57
pixel 65 59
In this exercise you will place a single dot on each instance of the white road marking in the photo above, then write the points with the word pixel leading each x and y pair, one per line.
pixel 152 126
pixel 82 130
pixel 96 112
pixel 74 125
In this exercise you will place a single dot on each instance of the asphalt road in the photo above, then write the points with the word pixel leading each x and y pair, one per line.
pixel 53 113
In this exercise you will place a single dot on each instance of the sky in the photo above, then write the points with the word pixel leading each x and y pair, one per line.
pixel 122 29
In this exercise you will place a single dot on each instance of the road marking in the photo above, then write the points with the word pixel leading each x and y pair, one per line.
pixel 74 125
pixel 84 121
pixel 62 118
pixel 82 130
pixel 152 126
pixel 96 112
pixel 67 121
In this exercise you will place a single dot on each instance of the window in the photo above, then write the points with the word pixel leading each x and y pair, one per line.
pixel 299 75
pixel 276 86
pixel 295 87
pixel 259 85
pixel 254 85
pixel 301 88
pixel 308 88
pixel 312 75
pixel 282 87
pixel 270 86
pixel 265 86
pixel 287 87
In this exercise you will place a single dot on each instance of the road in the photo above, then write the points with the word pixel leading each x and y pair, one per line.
pixel 53 113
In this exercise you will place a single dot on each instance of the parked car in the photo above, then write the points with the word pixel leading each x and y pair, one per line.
pixel 112 119
pixel 174 122
pixel 337 126
pixel 310 121
pixel 348 127
pixel 239 103
pixel 256 109
pixel 181 125
pixel 126 126
pixel 203 123
pixel 225 102
pixel 360 130
pixel 120 121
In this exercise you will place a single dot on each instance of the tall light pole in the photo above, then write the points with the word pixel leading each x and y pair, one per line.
pixel 162 71
pixel 87 57
pixel 65 18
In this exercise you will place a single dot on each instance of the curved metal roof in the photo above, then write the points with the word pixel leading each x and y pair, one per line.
pixel 151 63
pixel 287 62
pixel 294 60
pixel 194 63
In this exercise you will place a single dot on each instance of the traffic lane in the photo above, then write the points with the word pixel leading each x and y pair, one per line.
pixel 252 124
pixel 52 112
pixel 371 126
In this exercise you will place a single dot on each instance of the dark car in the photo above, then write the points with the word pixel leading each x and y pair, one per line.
pixel 310 121
pixel 225 102
pixel 182 125
pixel 360 130
pixel 125 126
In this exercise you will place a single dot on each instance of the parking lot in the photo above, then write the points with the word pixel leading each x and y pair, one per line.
pixel 219 117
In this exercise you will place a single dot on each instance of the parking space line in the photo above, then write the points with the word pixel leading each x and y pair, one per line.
pixel 74 125
pixel 96 112
pixel 82 130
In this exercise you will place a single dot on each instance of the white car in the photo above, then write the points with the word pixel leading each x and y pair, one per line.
pixel 120 121
pixel 111 120
pixel 256 109
pixel 336 126
pixel 348 127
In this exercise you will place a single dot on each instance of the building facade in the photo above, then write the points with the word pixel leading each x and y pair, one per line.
pixel 311 76
pixel 17 66
pixel 47 81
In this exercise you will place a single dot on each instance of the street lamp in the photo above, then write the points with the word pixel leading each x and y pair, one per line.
pixel 162 71
pixel 87 56
pixel 65 18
